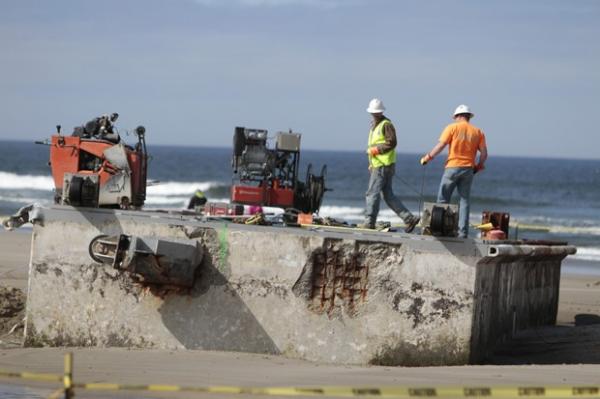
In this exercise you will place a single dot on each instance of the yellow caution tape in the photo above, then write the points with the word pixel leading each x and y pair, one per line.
pixel 387 392
pixel 584 391
pixel 531 227
pixel 32 376
pixel 555 229
pixel 349 228
pixel 483 227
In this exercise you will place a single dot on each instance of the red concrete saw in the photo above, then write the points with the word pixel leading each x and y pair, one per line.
pixel 270 177
pixel 94 168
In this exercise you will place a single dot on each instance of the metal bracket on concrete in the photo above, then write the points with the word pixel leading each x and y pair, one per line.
pixel 27 214
pixel 150 260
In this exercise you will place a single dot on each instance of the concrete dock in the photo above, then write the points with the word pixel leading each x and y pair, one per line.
pixel 329 295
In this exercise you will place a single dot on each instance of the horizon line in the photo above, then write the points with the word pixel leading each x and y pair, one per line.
pixel 547 157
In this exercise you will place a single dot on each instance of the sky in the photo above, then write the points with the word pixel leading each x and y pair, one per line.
pixel 192 70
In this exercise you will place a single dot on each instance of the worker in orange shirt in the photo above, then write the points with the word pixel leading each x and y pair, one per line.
pixel 464 141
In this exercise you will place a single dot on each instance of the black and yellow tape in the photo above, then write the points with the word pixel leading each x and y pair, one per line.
pixel 383 392
pixel 566 391
pixel 32 376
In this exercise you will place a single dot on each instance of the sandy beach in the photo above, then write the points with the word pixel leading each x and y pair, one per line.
pixel 568 353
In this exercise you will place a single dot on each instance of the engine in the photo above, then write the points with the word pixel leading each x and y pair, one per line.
pixel 269 177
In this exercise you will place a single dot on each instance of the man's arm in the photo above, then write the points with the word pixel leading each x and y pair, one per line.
pixel 389 133
pixel 445 139
pixel 439 147
pixel 483 153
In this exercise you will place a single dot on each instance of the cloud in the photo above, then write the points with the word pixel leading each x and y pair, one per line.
pixel 279 3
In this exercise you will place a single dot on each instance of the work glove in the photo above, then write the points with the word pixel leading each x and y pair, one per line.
pixel 478 168
pixel 426 158
pixel 373 151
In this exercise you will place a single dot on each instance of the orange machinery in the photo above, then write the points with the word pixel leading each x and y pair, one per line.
pixel 94 168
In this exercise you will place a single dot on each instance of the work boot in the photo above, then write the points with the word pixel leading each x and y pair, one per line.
pixel 366 225
pixel 383 226
pixel 411 224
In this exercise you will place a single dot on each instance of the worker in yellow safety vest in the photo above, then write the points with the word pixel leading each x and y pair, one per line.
pixel 197 200
pixel 382 166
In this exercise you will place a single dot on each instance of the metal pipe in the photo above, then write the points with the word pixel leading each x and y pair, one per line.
pixel 531 250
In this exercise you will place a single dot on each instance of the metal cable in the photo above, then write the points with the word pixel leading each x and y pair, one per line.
pixel 407 184
pixel 422 187
pixel 420 194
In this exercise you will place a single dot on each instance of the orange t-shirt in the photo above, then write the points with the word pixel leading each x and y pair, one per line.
pixel 463 141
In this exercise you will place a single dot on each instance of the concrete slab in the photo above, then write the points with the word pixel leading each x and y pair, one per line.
pixel 329 296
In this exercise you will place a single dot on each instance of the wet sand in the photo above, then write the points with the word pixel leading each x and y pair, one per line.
pixel 14 258
pixel 579 295
pixel 570 342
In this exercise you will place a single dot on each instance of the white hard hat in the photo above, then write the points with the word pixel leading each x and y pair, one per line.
pixel 375 106
pixel 463 109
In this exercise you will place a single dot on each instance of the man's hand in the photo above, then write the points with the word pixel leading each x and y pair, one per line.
pixel 373 151
pixel 478 168
pixel 426 158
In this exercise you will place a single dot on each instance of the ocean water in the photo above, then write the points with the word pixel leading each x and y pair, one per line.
pixel 555 199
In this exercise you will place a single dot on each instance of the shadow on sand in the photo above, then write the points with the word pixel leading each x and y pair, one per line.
pixel 575 344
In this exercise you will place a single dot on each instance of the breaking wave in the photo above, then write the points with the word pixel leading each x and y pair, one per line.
pixel 16 188
pixel 353 214
pixel 13 181
pixel 173 188
pixel 177 194
pixel 587 253
pixel 26 200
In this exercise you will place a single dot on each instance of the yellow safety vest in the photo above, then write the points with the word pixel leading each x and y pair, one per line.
pixel 376 137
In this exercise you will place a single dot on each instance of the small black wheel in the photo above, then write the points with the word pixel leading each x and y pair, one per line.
pixel 324 172
pixel 239 141
pixel 75 189
pixel 308 174
pixel 90 248
pixel 437 221
pixel 317 188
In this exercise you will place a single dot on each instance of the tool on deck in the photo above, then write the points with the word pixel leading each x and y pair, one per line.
pixel 94 168
pixel 270 177
pixel 439 219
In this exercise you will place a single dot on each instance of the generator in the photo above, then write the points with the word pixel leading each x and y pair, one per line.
pixel 270 177
pixel 93 167
pixel 439 220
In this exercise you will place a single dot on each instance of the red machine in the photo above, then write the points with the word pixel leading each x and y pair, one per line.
pixel 94 168
pixel 269 177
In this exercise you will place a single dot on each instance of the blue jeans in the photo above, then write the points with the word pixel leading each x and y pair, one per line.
pixel 460 178
pixel 380 182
